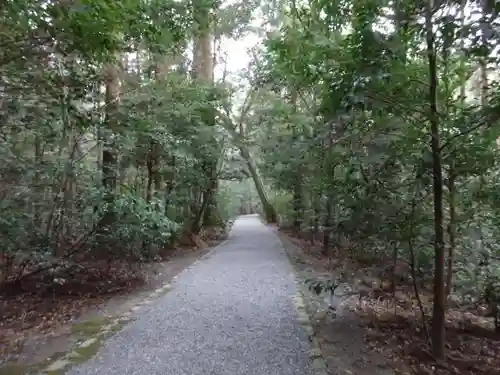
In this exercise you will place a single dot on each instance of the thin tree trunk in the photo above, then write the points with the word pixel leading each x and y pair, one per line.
pixel 38 184
pixel 170 183
pixel 155 177
pixel 327 230
pixel 401 28
pixel 109 152
pixel 150 177
pixel 297 194
pixel 483 67
pixel 438 322
pixel 451 230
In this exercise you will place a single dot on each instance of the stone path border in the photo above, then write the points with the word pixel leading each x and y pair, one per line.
pixel 301 301
pixel 316 355
pixel 85 350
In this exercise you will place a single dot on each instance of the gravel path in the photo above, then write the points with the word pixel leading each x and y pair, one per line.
pixel 231 313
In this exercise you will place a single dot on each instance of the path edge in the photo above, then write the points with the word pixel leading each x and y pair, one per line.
pixel 301 300
pixel 63 363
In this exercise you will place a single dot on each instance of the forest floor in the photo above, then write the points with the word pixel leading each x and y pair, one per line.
pixel 35 327
pixel 383 329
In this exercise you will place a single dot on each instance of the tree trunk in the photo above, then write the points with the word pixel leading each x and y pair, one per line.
pixel 154 187
pixel 150 176
pixel 169 183
pixel 438 322
pixel 484 26
pixel 328 224
pixel 109 152
pixel 451 230
pixel 401 25
pixel 203 69
pixel 211 217
pixel 268 208
pixel 316 204
pixel 38 183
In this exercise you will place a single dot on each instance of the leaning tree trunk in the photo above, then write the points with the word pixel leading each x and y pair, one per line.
pixel 268 208
pixel 238 138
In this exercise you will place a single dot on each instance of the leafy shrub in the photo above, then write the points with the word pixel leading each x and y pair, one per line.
pixel 138 221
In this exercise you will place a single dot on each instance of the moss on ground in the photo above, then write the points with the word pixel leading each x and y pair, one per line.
pixel 85 353
pixel 100 328
pixel 90 327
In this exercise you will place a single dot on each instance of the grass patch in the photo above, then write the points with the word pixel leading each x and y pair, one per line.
pixel 90 327
pixel 85 330
pixel 89 351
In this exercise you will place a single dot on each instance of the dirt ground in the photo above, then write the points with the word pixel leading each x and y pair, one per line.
pixel 381 333
pixel 341 337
